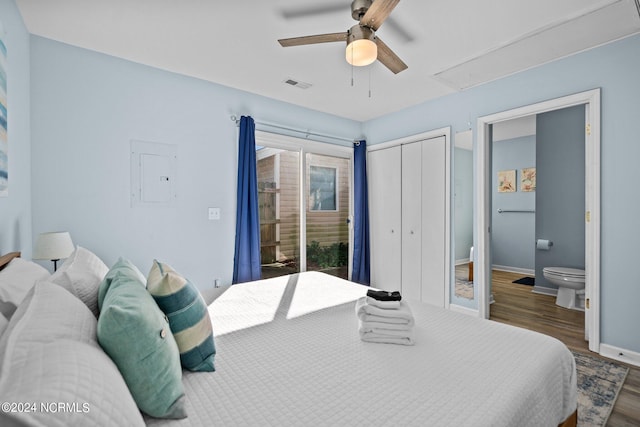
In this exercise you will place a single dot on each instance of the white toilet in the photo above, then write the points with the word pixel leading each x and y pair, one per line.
pixel 570 282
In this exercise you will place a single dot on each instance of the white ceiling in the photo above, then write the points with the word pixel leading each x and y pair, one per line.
pixel 454 44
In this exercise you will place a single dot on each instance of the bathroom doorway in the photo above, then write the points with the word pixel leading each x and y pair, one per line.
pixel 538 195
pixel 591 102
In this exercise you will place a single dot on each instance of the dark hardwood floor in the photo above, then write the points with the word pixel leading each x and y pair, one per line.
pixel 517 305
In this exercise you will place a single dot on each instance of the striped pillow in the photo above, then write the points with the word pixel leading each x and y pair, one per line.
pixel 188 318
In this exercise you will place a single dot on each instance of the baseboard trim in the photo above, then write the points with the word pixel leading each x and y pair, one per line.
pixel 620 354
pixel 462 261
pixel 545 291
pixel 464 310
pixel 510 269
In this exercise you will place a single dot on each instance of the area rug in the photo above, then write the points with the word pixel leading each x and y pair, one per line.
pixel 599 382
pixel 529 281
pixel 464 288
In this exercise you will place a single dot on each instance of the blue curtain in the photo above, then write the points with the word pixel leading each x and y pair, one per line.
pixel 360 272
pixel 246 263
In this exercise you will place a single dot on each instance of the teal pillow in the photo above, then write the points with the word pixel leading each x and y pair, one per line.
pixel 123 268
pixel 181 301
pixel 136 335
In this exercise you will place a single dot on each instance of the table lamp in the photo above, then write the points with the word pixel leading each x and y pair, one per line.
pixel 53 246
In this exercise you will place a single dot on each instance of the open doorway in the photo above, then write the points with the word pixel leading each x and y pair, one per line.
pixel 591 101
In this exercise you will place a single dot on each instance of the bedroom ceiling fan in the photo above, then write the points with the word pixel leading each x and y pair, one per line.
pixel 363 46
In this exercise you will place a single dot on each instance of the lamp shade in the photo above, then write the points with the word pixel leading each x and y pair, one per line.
pixel 53 246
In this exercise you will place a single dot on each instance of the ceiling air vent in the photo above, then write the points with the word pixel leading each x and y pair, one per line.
pixel 297 83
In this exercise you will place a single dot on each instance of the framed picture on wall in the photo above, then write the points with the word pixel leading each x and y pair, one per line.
pixel 507 181
pixel 528 179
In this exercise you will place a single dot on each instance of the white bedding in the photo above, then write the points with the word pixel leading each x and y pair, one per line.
pixel 289 354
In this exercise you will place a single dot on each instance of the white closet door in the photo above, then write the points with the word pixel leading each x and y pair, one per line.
pixel 385 217
pixel 412 220
pixel 433 221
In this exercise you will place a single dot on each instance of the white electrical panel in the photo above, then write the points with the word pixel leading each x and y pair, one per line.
pixel 153 174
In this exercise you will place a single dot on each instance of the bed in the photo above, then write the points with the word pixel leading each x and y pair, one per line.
pixel 289 353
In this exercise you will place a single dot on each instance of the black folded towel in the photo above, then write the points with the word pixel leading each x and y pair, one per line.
pixel 384 295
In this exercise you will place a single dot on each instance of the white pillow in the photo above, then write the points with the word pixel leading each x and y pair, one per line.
pixel 49 313
pixel 81 275
pixel 17 278
pixel 77 375
pixel 7 309
pixel 3 324
pixel 50 354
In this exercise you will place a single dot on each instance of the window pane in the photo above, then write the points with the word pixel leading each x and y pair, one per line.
pixel 279 205
pixel 328 183
pixel 322 188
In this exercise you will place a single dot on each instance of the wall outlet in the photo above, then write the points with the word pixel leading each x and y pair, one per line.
pixel 217 283
pixel 214 214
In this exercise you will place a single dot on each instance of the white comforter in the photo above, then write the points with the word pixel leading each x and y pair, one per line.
pixel 289 354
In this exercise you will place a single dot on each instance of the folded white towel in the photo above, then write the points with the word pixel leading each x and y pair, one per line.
pixel 369 313
pixel 373 326
pixel 382 304
pixel 405 339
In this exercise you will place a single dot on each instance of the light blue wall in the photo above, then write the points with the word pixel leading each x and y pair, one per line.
pixel 614 68
pixel 560 194
pixel 513 233
pixel 15 210
pixel 87 107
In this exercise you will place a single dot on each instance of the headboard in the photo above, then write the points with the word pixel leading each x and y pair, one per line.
pixel 6 259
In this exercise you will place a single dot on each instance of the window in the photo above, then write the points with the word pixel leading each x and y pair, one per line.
pixel 323 188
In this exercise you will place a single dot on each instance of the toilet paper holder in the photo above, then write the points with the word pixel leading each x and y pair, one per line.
pixel 543 244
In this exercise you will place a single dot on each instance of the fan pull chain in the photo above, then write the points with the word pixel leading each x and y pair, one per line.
pixel 370 67
pixel 352 67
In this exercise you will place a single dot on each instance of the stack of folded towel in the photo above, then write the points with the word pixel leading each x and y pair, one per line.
pixel 384 318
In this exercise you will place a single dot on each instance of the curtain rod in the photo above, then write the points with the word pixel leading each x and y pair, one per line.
pixel 305 132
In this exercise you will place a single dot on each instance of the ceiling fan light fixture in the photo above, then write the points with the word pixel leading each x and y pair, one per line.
pixel 361 47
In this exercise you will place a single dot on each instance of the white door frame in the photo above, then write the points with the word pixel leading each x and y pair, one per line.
pixel 591 100
pixel 436 133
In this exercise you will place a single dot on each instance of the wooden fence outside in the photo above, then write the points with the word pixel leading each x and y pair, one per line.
pixel 278 178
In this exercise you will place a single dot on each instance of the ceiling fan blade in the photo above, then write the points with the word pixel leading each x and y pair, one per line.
pixel 389 58
pixel 400 30
pixel 320 38
pixel 303 12
pixel 378 12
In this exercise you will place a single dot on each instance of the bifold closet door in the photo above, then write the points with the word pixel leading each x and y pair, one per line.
pixel 412 220
pixel 407 200
pixel 385 217
pixel 434 199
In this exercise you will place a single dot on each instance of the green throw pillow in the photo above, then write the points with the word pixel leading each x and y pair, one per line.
pixel 135 333
pixel 181 301
pixel 124 269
